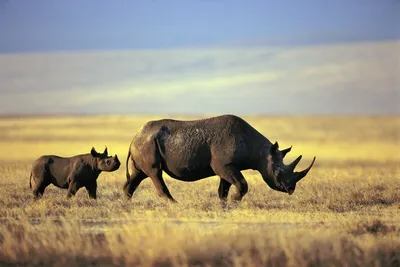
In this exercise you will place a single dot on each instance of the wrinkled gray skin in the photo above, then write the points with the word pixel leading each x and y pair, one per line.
pixel 193 150
pixel 71 173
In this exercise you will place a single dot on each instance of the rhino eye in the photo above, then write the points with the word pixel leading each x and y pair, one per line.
pixel 108 162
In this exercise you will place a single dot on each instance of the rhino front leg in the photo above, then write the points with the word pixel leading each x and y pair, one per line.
pixel 92 189
pixel 223 189
pixel 232 175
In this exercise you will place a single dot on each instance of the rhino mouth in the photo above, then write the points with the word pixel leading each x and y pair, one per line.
pixel 116 165
pixel 289 190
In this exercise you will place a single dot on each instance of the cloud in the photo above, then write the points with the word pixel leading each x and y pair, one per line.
pixel 359 78
pixel 170 88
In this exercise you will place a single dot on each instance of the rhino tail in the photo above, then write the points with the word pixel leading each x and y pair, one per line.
pixel 160 148
pixel 126 165
pixel 30 181
pixel 161 135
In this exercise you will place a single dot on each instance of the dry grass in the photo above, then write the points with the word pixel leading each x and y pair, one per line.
pixel 346 212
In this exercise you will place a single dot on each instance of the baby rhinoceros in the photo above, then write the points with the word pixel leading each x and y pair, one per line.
pixel 71 173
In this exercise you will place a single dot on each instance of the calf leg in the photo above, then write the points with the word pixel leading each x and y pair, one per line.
pixel 40 182
pixel 133 182
pixel 39 187
pixel 92 189
pixel 232 175
pixel 72 188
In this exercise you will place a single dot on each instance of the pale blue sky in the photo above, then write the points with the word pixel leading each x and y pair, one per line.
pixel 210 56
pixel 48 25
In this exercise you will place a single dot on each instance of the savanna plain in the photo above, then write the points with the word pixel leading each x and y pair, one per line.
pixel 345 212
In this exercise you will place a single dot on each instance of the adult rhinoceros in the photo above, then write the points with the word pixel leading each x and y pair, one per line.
pixel 193 150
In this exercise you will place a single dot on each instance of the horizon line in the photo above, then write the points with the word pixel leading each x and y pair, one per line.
pixel 193 47
pixel 177 114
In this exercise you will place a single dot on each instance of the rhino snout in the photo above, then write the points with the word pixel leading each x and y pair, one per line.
pixel 117 163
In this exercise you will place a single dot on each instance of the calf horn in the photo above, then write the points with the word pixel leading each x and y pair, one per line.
pixel 293 165
pixel 300 175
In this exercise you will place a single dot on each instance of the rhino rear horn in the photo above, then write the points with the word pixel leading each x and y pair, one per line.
pixel 293 165
pixel 285 151
pixel 303 173
pixel 105 151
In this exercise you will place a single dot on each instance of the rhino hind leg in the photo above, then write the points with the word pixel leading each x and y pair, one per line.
pixel 152 167
pixel 233 175
pixel 130 186
pixel 161 187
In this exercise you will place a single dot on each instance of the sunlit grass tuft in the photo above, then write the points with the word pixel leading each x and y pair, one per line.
pixel 346 212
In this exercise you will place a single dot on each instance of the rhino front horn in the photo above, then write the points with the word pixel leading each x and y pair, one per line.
pixel 302 174
pixel 293 165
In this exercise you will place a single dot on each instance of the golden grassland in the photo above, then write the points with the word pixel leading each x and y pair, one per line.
pixel 346 212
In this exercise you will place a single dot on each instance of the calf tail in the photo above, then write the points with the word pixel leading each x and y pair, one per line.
pixel 127 169
pixel 30 181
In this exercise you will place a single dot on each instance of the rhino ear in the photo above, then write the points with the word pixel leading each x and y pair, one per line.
pixel 273 148
pixel 105 151
pixel 94 152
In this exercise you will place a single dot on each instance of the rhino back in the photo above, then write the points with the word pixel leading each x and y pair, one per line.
pixel 59 170
pixel 189 147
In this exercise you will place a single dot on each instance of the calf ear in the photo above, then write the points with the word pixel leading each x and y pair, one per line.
pixel 273 148
pixel 94 152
